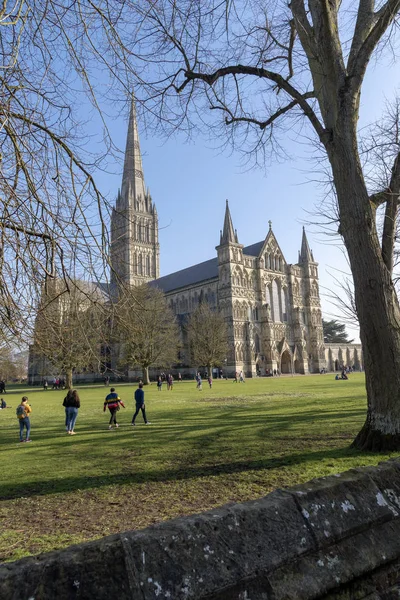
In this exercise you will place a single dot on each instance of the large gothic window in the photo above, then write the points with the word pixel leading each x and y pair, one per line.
pixel 276 312
pixel 283 304
pixel 140 265
pixel 257 343
pixel 148 272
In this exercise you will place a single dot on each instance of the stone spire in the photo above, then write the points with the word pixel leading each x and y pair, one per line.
pixel 305 254
pixel 132 179
pixel 134 221
pixel 229 235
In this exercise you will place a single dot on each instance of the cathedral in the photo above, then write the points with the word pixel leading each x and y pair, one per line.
pixel 272 308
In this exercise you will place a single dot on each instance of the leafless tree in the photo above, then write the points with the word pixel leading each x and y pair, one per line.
pixel 266 66
pixel 146 329
pixel 208 337
pixel 70 328
pixel 53 218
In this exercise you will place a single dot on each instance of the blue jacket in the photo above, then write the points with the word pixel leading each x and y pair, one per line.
pixel 139 397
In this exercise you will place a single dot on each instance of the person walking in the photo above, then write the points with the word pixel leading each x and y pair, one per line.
pixel 140 405
pixel 71 403
pixel 210 381
pixel 45 385
pixel 113 402
pixel 199 382
pixel 23 411
pixel 159 383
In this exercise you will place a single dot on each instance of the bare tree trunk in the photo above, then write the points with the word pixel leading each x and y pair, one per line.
pixel 209 370
pixel 146 378
pixel 376 302
pixel 68 379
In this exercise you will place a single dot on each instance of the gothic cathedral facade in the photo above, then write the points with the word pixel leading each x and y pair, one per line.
pixel 272 308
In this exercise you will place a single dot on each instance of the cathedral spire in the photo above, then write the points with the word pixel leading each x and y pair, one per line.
pixel 132 178
pixel 134 223
pixel 229 235
pixel 305 254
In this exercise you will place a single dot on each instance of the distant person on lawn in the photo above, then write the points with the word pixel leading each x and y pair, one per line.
pixel 23 411
pixel 71 403
pixel 113 402
pixel 139 399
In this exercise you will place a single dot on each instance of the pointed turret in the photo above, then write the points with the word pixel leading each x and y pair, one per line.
pixel 305 254
pixel 132 179
pixel 229 235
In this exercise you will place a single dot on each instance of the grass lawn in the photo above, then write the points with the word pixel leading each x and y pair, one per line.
pixel 232 443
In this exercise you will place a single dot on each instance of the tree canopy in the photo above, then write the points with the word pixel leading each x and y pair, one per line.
pixel 145 329
pixel 208 337
pixel 69 329
pixel 335 332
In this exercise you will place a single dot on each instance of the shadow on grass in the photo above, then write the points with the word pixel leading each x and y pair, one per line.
pixel 71 484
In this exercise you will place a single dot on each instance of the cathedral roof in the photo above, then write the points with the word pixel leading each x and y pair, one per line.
pixel 254 249
pixel 197 273
pixel 180 279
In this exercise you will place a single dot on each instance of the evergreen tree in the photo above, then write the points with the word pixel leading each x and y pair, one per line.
pixel 335 332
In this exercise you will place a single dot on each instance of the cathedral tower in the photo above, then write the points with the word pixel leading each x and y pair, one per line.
pixel 134 221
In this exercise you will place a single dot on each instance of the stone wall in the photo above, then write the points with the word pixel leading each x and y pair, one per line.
pixel 336 538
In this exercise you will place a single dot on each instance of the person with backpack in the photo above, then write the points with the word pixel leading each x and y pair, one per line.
pixel 23 411
pixel 71 403
pixel 113 402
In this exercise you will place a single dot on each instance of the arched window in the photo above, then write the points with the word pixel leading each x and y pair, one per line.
pixel 276 263
pixel 148 270
pixel 275 302
pixel 140 265
pixel 283 304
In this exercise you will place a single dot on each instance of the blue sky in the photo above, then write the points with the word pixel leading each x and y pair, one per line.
pixel 189 183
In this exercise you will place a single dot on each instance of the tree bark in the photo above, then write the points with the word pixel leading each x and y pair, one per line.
pixel 68 379
pixel 376 302
pixel 146 378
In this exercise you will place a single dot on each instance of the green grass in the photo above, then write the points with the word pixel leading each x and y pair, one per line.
pixel 233 443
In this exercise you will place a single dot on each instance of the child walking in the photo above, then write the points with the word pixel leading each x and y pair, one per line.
pixel 113 402
pixel 23 411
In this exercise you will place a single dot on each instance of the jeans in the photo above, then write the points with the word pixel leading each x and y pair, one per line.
pixel 25 422
pixel 71 413
pixel 143 409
